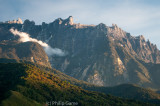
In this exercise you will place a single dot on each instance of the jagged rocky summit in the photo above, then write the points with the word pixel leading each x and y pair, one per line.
pixel 100 54
pixel 19 21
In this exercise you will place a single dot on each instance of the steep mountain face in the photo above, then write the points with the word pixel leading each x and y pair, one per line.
pixel 27 52
pixel 98 54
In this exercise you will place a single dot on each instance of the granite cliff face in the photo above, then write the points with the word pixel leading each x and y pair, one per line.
pixel 100 54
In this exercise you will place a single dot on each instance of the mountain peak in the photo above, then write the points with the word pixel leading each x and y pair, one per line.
pixel 141 37
pixel 116 32
pixel 18 21
pixel 115 27
pixel 69 20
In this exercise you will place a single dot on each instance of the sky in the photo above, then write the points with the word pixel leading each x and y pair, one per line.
pixel 138 17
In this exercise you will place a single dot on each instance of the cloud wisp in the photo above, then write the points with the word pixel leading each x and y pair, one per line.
pixel 24 37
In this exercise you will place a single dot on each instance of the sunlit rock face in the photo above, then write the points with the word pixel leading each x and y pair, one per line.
pixel 70 20
pixel 19 21
pixel 100 54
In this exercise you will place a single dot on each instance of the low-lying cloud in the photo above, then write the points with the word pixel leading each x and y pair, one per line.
pixel 24 37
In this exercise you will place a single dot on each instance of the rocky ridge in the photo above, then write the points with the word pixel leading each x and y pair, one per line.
pixel 19 21
pixel 100 54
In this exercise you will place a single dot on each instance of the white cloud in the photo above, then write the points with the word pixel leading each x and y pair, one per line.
pixel 24 37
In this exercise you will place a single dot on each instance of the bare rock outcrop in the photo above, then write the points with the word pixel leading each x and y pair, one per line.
pixel 19 21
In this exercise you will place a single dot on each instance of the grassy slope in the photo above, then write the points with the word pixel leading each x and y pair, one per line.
pixel 16 99
pixel 130 91
pixel 29 83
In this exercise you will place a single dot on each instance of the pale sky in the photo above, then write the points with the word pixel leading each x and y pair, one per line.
pixel 139 17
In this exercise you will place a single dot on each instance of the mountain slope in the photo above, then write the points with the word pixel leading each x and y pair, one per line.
pixel 128 91
pixel 17 99
pixel 99 54
pixel 27 51
pixel 34 85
